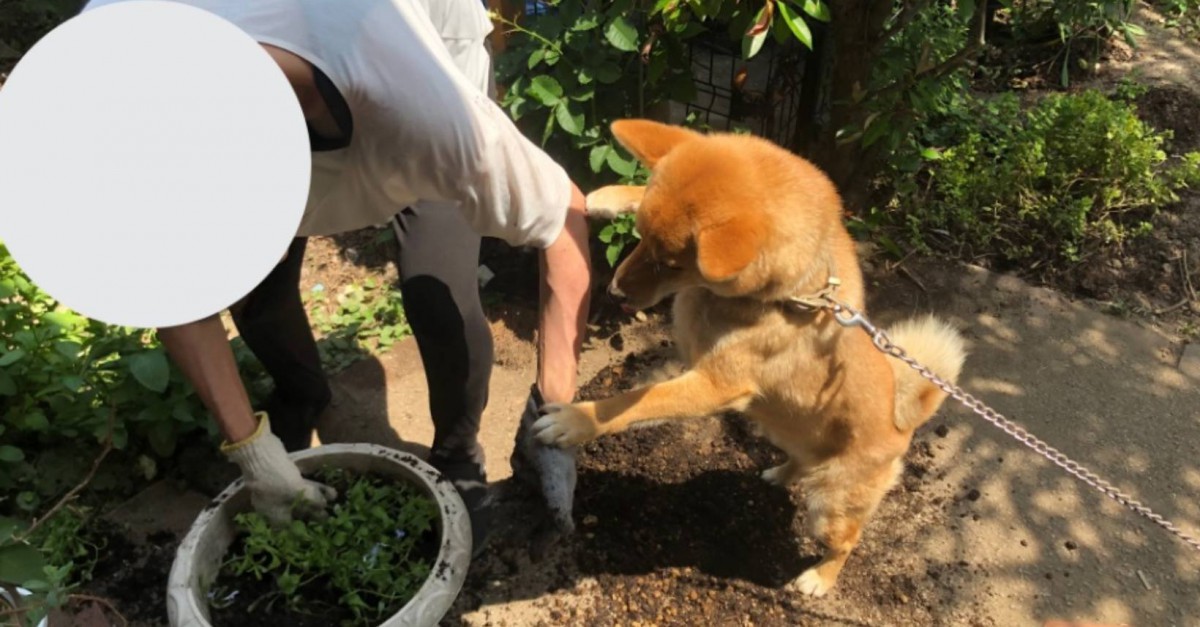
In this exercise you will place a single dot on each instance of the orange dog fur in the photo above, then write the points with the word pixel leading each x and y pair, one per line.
pixel 732 226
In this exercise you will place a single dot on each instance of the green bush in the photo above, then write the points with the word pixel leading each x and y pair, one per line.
pixel 23 22
pixel 62 375
pixel 579 65
pixel 1052 183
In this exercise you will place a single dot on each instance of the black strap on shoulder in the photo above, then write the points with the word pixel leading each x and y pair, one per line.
pixel 338 108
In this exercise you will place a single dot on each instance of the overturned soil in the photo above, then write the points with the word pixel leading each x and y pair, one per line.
pixel 131 576
pixel 675 527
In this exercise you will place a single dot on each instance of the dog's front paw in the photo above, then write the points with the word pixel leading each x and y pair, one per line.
pixel 811 583
pixel 565 424
pixel 609 202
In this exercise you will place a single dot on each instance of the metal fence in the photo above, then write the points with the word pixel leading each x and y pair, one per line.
pixel 762 95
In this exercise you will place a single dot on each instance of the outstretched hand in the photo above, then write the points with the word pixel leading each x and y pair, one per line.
pixel 277 489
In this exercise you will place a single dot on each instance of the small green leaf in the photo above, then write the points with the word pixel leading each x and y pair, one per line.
pixel 612 253
pixel 606 234
pixel 73 383
pixel 12 357
pixel 8 526
pixel 11 454
pixel 797 24
pixel 549 130
pixel 545 89
pixel 68 349
pixel 597 156
pixel 619 164
pixel 151 369
pixel 875 131
pixel 36 421
pixel 8 387
pixel 568 120
pixel 817 9
pixel 536 58
pixel 608 73
pixel 622 35
pixel 20 563
pixel 586 22
pixel 966 8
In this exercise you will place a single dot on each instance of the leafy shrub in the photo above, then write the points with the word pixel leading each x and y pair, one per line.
pixel 62 375
pixel 371 555
pixel 1049 184
pixel 577 66
pixel 23 22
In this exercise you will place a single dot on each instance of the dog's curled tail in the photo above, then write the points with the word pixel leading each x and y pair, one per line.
pixel 937 346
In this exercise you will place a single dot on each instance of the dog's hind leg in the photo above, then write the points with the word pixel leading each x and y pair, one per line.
pixel 838 509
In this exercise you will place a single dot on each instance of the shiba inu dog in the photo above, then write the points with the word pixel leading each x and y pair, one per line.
pixel 743 233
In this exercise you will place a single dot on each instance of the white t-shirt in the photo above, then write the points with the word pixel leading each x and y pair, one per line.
pixel 424 131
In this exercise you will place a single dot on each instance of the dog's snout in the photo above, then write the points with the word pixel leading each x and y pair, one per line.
pixel 615 291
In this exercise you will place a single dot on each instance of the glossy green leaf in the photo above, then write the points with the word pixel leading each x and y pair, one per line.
pixel 619 164
pixel 151 369
pixel 597 156
pixel 11 357
pixel 622 35
pixel 817 9
pixel 20 563
pixel 568 120
pixel 545 89
pixel 11 454
pixel 796 23
pixel 608 73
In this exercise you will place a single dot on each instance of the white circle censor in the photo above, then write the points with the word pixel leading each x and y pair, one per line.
pixel 155 163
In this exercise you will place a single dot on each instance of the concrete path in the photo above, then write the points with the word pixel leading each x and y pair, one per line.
pixel 1107 393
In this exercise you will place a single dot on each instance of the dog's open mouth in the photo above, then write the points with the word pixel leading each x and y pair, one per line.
pixel 628 309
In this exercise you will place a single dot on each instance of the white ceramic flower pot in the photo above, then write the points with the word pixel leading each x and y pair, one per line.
pixel 200 554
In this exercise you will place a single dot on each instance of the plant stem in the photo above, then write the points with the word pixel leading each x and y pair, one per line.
pixel 73 492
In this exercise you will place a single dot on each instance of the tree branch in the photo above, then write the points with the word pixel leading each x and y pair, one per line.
pixel 73 492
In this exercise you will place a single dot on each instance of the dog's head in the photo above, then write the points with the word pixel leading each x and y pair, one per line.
pixel 702 220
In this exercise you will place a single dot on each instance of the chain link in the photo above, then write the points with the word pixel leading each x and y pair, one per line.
pixel 849 317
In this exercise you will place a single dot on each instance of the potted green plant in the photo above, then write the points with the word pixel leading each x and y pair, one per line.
pixel 365 558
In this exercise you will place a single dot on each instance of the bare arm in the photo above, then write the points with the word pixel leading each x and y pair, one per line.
pixel 201 350
pixel 565 292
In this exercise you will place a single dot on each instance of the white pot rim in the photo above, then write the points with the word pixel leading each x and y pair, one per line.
pixel 212 530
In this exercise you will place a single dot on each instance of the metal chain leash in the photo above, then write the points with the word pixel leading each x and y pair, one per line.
pixel 847 316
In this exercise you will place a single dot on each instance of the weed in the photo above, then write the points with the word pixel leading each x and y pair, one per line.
pixel 363 319
pixel 369 556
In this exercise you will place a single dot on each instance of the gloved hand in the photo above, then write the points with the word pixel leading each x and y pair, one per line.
pixel 553 469
pixel 274 481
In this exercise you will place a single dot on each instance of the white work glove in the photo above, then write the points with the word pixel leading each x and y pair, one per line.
pixel 274 481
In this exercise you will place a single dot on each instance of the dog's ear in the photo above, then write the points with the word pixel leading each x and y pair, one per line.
pixel 724 250
pixel 650 141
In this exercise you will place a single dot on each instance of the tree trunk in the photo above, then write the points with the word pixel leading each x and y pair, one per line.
pixel 853 35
